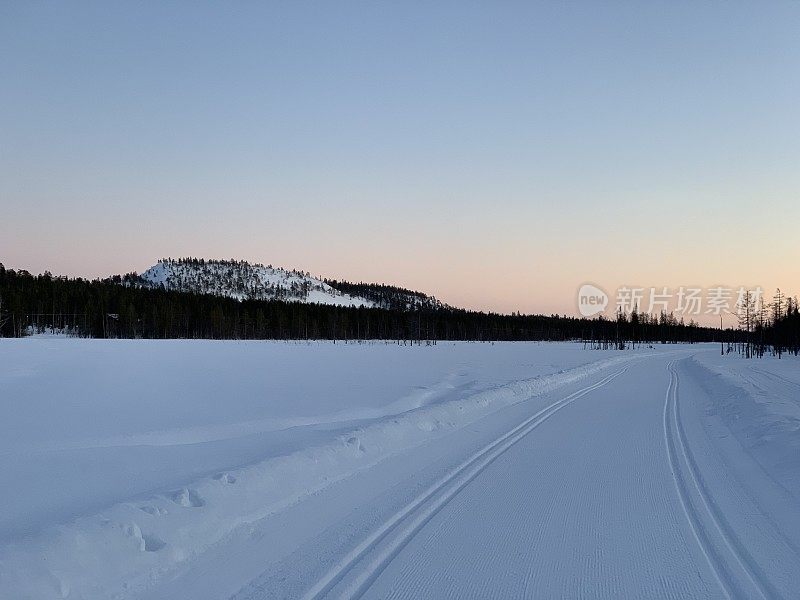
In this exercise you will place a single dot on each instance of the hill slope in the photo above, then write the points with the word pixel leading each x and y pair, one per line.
pixel 244 281
pixel 388 296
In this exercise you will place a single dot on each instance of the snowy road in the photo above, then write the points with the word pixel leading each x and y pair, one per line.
pixel 457 471
pixel 614 490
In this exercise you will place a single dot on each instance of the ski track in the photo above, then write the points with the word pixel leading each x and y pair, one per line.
pixel 541 521
pixel 624 494
pixel 717 539
pixel 748 555
pixel 428 505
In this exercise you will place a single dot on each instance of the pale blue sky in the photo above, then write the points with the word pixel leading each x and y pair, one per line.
pixel 496 154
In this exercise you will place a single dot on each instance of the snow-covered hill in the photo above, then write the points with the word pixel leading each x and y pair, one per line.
pixel 245 281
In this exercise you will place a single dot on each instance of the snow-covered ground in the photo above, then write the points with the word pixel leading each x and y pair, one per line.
pixel 199 469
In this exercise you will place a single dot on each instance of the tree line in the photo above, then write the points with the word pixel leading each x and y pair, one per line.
pixel 387 296
pixel 767 327
pixel 109 308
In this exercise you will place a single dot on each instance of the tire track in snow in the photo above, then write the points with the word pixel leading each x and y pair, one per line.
pixel 429 504
pixel 704 516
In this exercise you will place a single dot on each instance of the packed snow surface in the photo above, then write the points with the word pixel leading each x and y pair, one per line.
pixel 199 469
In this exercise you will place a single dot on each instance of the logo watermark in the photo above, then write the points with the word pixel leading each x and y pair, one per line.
pixel 683 301
pixel 591 300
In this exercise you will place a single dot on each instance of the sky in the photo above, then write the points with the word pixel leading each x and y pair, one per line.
pixel 495 154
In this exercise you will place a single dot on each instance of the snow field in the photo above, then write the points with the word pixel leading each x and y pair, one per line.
pixel 119 549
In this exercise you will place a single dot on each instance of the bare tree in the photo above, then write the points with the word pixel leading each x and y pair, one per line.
pixel 746 310
pixel 4 316
pixel 777 315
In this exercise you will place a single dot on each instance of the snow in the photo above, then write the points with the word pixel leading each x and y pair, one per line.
pixel 201 469
pixel 242 280
pixel 758 401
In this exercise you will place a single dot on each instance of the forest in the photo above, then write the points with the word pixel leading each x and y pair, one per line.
pixel 112 308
